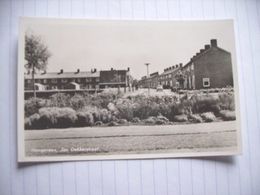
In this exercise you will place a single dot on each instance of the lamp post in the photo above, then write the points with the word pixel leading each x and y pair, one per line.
pixel 147 66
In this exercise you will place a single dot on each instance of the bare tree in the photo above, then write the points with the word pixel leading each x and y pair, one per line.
pixel 36 55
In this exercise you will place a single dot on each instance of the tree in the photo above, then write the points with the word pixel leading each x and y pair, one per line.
pixel 36 55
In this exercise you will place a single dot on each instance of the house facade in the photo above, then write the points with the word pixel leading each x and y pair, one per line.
pixel 87 81
pixel 211 67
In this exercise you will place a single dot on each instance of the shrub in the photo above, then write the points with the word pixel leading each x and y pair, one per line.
pixel 226 101
pixel 163 118
pixel 57 117
pixel 77 102
pixel 136 120
pixel 228 115
pixel 160 122
pixel 27 123
pixel 99 114
pixel 181 118
pixel 98 123
pixel 32 106
pixel 150 120
pixel 85 119
pixel 208 116
pixel 59 100
pixel 195 118
pixel 122 121
pixel 113 123
pixel 204 103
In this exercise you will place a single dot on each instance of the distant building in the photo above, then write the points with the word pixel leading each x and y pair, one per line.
pixel 115 78
pixel 63 80
pixel 72 81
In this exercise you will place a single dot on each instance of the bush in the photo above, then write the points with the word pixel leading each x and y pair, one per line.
pixel 228 115
pixel 136 120
pixel 32 121
pixel 32 106
pixel 150 120
pixel 84 119
pixel 181 118
pixel 195 118
pixel 208 116
pixel 59 100
pixel 227 101
pixel 77 102
pixel 54 117
pixel 99 114
pixel 204 103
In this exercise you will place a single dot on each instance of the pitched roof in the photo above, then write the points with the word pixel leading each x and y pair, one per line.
pixel 201 53
pixel 53 75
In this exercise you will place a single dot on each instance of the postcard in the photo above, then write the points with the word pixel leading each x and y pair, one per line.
pixel 126 89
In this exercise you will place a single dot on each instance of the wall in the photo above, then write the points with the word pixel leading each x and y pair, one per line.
pixel 216 65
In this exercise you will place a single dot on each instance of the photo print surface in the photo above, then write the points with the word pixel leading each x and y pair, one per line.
pixel 110 89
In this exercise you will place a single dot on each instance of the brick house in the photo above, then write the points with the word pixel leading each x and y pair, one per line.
pixel 115 78
pixel 209 68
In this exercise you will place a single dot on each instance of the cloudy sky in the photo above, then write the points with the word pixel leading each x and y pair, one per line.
pixel 103 44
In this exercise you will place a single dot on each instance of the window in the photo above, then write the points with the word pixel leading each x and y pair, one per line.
pixel 206 82
pixel 64 80
pixel 29 81
pixel 45 81
pixel 78 80
pixel 54 80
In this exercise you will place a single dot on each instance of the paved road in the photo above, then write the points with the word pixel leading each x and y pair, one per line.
pixel 129 139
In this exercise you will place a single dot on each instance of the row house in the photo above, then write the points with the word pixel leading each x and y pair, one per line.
pixel 87 80
pixel 211 67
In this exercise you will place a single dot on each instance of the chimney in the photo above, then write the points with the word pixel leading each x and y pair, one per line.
pixel 112 69
pixel 128 69
pixel 177 66
pixel 207 47
pixel 201 50
pixel 197 54
pixel 78 70
pixel 213 43
pixel 95 70
pixel 173 67
pixel 61 71
pixel 180 65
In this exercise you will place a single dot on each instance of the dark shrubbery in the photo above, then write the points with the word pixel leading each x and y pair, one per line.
pixel 85 119
pixel 32 106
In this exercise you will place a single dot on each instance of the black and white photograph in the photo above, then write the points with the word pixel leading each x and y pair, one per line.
pixel 119 89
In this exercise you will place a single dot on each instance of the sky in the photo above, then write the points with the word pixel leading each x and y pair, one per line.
pixel 104 44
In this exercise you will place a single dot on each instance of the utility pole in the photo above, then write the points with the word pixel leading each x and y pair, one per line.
pixel 147 65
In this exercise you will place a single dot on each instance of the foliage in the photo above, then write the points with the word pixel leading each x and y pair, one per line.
pixel 208 116
pixel 181 118
pixel 59 100
pixel 228 115
pixel 84 119
pixel 195 118
pixel 32 105
pixel 55 117
pixel 36 53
